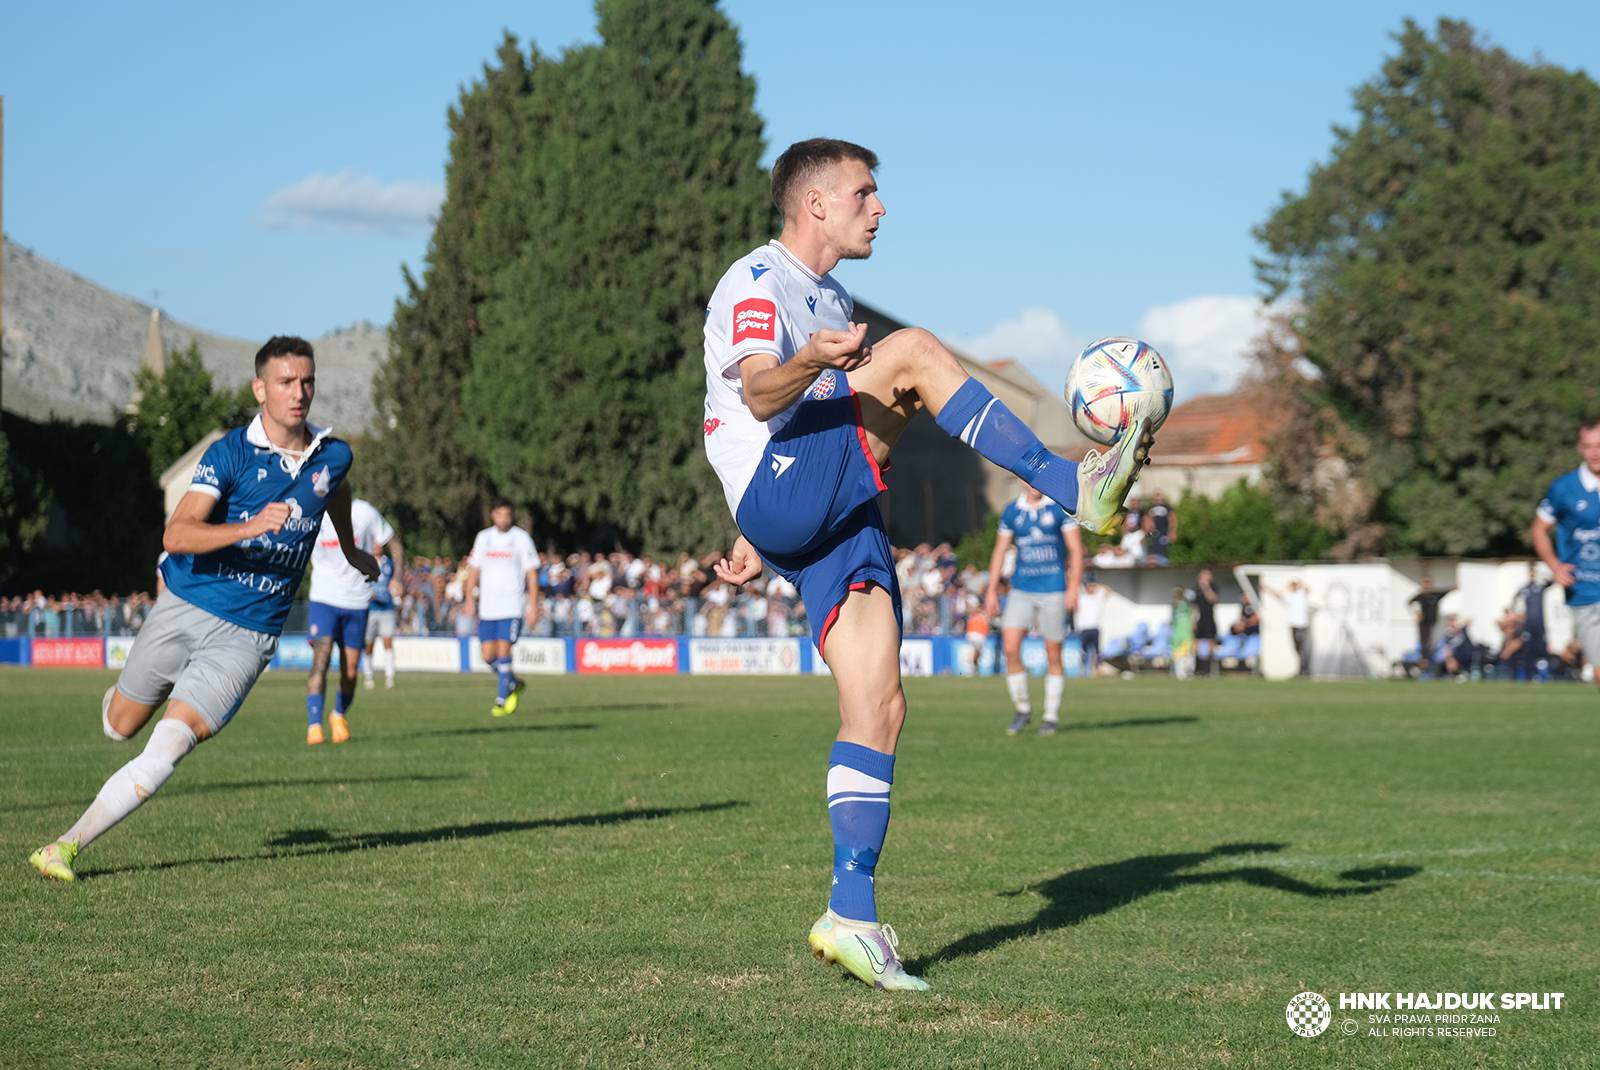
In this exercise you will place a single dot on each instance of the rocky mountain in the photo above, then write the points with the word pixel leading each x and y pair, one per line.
pixel 70 348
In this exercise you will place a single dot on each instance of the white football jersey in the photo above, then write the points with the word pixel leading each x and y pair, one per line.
pixel 768 302
pixel 503 560
pixel 335 581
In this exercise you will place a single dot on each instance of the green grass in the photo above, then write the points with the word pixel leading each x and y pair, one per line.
pixel 623 874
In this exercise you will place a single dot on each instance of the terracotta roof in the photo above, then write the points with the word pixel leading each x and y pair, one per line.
pixel 1218 429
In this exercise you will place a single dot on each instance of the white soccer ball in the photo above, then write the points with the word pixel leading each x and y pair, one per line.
pixel 1114 382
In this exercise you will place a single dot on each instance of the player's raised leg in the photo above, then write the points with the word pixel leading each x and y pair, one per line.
pixel 912 369
pixel 862 649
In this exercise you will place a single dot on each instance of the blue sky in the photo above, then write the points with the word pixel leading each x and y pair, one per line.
pixel 1053 172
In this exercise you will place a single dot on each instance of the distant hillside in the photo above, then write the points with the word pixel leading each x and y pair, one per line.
pixel 70 349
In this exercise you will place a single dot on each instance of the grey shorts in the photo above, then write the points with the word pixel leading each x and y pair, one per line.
pixel 1586 623
pixel 1047 612
pixel 195 657
pixel 380 624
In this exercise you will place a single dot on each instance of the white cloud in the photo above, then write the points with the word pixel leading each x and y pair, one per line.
pixel 1037 337
pixel 1206 339
pixel 352 202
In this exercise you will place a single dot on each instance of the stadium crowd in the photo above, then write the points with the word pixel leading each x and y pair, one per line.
pixel 623 595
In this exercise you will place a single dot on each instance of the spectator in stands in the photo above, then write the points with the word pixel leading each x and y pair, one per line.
pixel 1182 634
pixel 1297 614
pixel 1249 622
pixel 1160 526
pixel 1529 603
pixel 1455 655
pixel 1090 612
pixel 1426 612
pixel 1204 600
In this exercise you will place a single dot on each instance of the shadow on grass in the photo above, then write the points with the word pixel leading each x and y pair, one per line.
pixel 485 730
pixel 1077 895
pixel 1131 722
pixel 252 785
pixel 304 843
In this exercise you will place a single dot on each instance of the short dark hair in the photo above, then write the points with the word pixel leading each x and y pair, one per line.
pixel 801 162
pixel 501 502
pixel 282 345
pixel 1589 425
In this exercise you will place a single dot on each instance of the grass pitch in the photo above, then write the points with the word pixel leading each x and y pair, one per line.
pixel 622 874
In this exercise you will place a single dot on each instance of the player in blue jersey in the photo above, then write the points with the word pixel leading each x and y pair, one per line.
pixel 1566 535
pixel 381 617
pixel 237 547
pixel 1044 588
pixel 800 416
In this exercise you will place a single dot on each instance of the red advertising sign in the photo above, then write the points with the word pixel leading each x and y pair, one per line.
pixel 628 655
pixel 69 653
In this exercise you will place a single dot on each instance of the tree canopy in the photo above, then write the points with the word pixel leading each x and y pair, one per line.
pixel 1443 267
pixel 182 405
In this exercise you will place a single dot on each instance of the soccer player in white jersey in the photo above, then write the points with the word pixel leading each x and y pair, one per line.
pixel 1044 589
pixel 800 416
pixel 503 579
pixel 341 597
pixel 237 546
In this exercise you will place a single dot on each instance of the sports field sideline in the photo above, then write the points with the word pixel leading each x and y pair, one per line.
pixel 623 874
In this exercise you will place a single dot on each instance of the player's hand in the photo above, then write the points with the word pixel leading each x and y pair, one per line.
pixel 1564 574
pixel 741 565
pixel 271 518
pixel 396 591
pixel 846 350
pixel 1072 600
pixel 991 604
pixel 365 564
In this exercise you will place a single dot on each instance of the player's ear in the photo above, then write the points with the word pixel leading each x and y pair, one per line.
pixel 814 202
pixel 259 389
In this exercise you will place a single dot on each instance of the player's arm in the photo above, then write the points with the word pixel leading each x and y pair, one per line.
pixel 469 586
pixel 397 554
pixel 741 565
pixel 1074 540
pixel 1545 547
pixel 190 530
pixel 1172 524
pixel 339 513
pixel 771 387
pixel 997 560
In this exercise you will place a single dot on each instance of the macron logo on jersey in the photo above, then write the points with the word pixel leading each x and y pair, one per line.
pixel 780 464
pixel 759 270
pixel 754 317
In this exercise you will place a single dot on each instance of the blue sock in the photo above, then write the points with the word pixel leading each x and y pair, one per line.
pixel 341 703
pixel 983 422
pixel 858 809
pixel 313 710
pixel 503 667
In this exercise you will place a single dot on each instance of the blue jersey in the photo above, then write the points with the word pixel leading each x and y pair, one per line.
pixel 1572 505
pixel 1040 536
pixel 381 598
pixel 252 583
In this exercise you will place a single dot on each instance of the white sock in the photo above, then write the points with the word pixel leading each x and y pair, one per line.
pixel 1053 686
pixel 135 782
pixel 1017 684
pixel 105 716
pixel 388 665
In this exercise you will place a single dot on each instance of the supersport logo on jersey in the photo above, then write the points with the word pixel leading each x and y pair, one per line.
pixel 754 317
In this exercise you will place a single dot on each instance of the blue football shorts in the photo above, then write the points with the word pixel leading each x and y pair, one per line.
pixel 505 630
pixel 347 627
pixel 811 508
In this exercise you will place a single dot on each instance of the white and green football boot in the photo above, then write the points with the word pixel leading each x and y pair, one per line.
pixel 54 860
pixel 864 948
pixel 1105 477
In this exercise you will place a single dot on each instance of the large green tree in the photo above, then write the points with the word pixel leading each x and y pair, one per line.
pixel 182 405
pixel 641 181
pixel 1444 268
pixel 417 465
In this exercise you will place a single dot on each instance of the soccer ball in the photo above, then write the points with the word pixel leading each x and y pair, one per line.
pixel 1114 382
